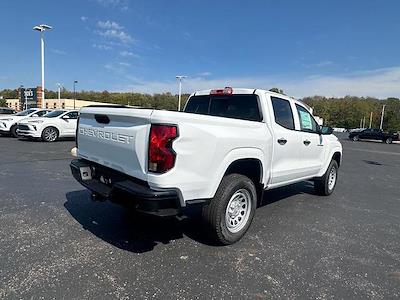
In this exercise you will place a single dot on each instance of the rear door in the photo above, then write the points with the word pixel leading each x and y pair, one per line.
pixel 115 137
pixel 286 142
pixel 312 145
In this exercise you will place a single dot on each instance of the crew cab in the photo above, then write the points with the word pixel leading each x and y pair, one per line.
pixel 226 148
pixel 8 124
pixel 59 123
pixel 373 134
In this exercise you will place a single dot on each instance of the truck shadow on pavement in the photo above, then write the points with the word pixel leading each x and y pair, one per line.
pixel 139 233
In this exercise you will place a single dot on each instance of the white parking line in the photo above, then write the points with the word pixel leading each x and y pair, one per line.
pixel 372 151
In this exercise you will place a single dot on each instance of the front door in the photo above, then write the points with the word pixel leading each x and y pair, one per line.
pixel 286 143
pixel 312 143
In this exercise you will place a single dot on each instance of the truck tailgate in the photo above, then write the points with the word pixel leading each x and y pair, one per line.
pixel 115 137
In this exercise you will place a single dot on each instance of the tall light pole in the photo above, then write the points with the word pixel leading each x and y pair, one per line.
pixel 180 77
pixel 383 113
pixel 75 82
pixel 42 28
pixel 59 85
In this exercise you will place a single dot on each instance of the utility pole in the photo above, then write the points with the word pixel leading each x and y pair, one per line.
pixel 383 113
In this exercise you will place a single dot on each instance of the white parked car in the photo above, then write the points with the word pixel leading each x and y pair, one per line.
pixel 54 125
pixel 223 151
pixel 8 124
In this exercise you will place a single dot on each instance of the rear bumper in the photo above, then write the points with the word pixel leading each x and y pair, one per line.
pixel 112 185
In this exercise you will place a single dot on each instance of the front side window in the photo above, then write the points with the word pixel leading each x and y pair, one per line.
pixel 54 113
pixel 307 122
pixel 41 113
pixel 283 112
pixel 72 115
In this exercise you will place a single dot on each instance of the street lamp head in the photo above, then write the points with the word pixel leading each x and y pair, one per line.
pixel 46 27
pixel 42 27
pixel 75 81
pixel 180 76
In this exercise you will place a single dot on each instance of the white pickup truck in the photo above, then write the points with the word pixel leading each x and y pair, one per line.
pixel 223 151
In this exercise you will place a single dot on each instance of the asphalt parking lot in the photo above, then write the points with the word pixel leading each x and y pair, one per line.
pixel 56 243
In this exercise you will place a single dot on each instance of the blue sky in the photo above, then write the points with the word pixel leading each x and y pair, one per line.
pixel 304 47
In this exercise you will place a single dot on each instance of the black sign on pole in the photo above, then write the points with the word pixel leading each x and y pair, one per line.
pixel 28 98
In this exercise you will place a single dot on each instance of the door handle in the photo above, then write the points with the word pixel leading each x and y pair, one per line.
pixel 306 142
pixel 282 141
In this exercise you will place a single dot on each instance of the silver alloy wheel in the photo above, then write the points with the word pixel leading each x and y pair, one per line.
pixel 50 134
pixel 332 178
pixel 238 210
pixel 355 138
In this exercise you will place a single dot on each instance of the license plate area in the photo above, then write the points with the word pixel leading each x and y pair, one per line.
pixel 86 173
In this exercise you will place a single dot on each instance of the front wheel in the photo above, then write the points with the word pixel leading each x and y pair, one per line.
pixel 355 138
pixel 325 185
pixel 13 131
pixel 229 214
pixel 389 140
pixel 49 134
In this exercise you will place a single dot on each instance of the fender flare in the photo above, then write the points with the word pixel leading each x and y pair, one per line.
pixel 235 155
pixel 328 161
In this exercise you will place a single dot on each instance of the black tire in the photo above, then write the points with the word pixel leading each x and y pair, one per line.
pixel 389 140
pixel 13 131
pixel 215 214
pixel 50 134
pixel 355 138
pixel 322 185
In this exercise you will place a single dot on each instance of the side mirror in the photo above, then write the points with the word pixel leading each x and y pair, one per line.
pixel 326 130
pixel 66 118
pixel 35 115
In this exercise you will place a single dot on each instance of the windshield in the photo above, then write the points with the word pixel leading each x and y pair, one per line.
pixel 55 114
pixel 25 112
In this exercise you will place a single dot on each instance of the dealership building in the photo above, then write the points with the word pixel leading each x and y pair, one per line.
pixel 32 97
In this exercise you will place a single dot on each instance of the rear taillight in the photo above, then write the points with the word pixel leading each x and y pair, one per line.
pixel 161 155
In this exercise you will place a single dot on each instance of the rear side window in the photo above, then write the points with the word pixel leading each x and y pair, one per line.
pixel 244 107
pixel 283 112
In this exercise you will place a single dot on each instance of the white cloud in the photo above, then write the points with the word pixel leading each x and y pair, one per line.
pixel 324 63
pixel 109 25
pixel 113 30
pixel 205 74
pixel 101 47
pixel 124 64
pixel 84 19
pixel 58 51
pixel 118 35
pixel 121 4
pixel 379 83
pixel 126 53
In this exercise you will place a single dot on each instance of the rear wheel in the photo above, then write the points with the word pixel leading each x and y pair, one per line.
pixel 389 140
pixel 13 131
pixel 325 185
pixel 229 214
pixel 49 134
pixel 355 138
